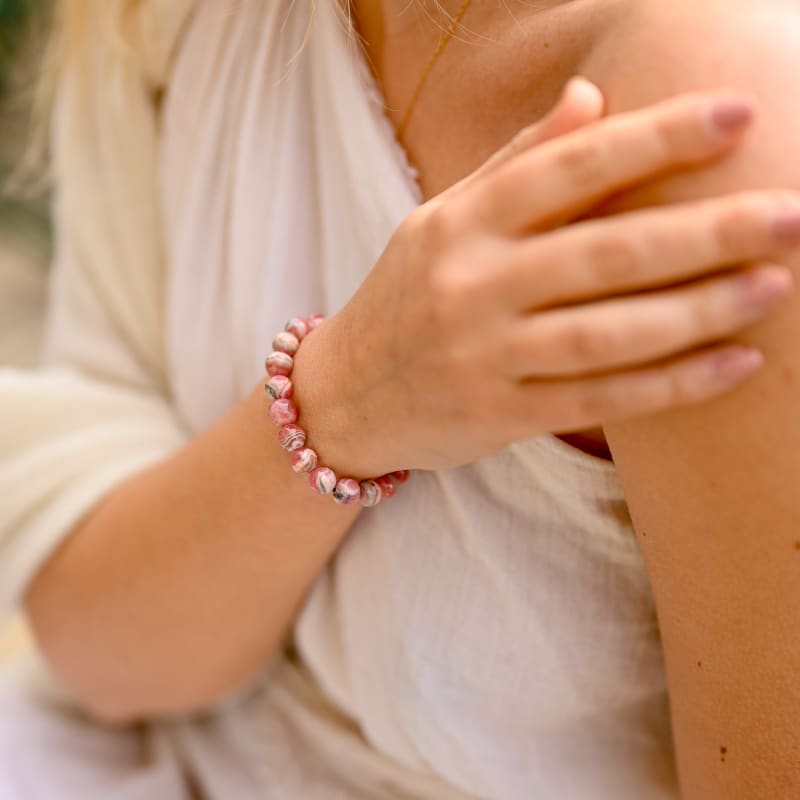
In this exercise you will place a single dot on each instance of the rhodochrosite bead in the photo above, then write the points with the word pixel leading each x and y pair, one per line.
pixel 322 480
pixel 304 460
pixel 291 437
pixel 370 493
pixel 297 326
pixel 347 491
pixel 282 412
pixel 387 486
pixel 279 363
pixel 285 342
pixel 279 387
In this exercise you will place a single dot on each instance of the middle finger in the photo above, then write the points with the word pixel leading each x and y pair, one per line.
pixel 646 249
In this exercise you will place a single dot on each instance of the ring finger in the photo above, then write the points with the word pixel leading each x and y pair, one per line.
pixel 630 331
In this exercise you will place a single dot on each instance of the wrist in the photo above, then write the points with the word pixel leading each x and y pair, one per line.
pixel 327 396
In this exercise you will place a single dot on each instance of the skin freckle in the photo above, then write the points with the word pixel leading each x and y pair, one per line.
pixel 789 375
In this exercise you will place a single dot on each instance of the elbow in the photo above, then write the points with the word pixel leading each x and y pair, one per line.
pixel 117 698
pixel 144 681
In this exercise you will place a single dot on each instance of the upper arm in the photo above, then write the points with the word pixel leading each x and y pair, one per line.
pixel 712 488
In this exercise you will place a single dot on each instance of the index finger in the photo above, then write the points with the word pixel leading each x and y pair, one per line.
pixel 557 181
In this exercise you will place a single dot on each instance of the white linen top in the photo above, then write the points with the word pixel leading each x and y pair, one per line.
pixel 489 632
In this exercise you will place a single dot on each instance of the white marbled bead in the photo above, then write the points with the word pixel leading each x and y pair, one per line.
pixel 279 387
pixel 370 493
pixel 298 326
pixel 322 480
pixel 347 491
pixel 285 342
pixel 304 460
pixel 283 412
pixel 387 485
pixel 279 363
pixel 314 321
pixel 291 437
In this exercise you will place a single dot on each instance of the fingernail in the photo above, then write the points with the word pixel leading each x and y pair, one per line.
pixel 733 366
pixel 730 116
pixel 786 227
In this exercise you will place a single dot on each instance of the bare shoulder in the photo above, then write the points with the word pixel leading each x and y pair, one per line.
pixel 643 49
pixel 713 488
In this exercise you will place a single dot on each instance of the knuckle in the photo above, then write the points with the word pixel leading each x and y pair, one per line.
pixel 453 293
pixel 443 298
pixel 491 193
pixel 681 127
pixel 678 389
pixel 668 386
pixel 674 138
pixel 649 391
pixel 586 344
pixel 598 403
pixel 584 162
pixel 733 231
pixel 439 224
pixel 615 260
pixel 704 312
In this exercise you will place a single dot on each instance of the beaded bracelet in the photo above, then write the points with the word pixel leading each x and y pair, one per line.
pixel 284 413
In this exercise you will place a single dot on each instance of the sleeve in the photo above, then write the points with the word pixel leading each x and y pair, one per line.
pixel 97 409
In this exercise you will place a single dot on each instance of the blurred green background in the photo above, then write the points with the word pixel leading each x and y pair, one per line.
pixel 24 229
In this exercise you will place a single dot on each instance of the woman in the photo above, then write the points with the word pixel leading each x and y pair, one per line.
pixel 490 630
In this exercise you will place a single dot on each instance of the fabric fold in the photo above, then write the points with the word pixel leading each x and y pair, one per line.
pixel 98 409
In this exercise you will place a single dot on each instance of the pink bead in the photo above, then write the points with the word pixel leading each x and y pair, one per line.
pixel 314 321
pixel 322 480
pixel 347 491
pixel 278 363
pixel 304 460
pixel 279 387
pixel 291 437
pixel 387 486
pixel 297 326
pixel 401 475
pixel 285 342
pixel 282 412
pixel 370 493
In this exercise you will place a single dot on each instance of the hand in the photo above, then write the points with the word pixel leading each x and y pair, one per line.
pixel 495 314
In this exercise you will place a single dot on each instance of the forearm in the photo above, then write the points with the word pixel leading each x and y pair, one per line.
pixel 179 586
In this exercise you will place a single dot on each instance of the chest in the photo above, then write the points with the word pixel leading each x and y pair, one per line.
pixel 502 70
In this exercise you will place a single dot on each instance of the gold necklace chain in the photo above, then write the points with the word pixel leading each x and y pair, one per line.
pixel 448 35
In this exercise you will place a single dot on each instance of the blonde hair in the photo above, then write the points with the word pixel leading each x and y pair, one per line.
pixel 70 24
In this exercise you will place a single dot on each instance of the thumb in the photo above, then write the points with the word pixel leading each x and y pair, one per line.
pixel 580 103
